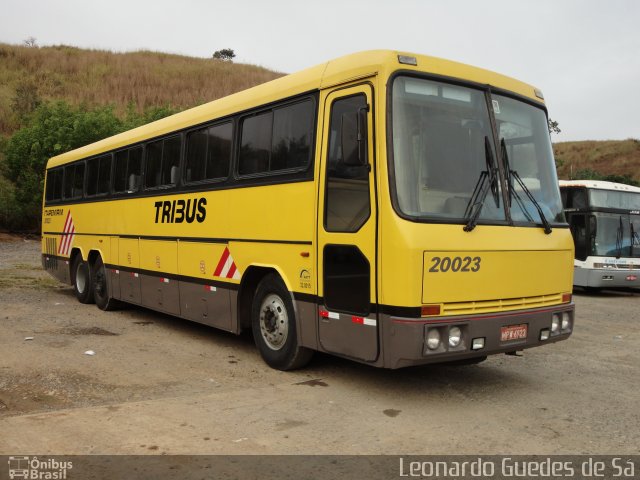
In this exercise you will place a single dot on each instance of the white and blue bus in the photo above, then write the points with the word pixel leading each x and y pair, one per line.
pixel 605 223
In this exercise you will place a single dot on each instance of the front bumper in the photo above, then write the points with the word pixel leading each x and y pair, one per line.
pixel 606 278
pixel 405 338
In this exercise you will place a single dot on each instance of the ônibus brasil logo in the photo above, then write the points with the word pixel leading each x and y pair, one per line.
pixel 33 468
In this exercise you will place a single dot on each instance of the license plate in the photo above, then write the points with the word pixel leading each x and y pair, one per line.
pixel 513 332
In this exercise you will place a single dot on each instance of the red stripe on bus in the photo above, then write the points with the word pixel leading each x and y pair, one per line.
pixel 232 270
pixel 221 263
pixel 64 230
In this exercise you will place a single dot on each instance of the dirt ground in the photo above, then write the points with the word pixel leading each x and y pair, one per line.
pixel 157 384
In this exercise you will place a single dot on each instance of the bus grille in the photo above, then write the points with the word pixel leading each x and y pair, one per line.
pixel 51 250
pixel 501 305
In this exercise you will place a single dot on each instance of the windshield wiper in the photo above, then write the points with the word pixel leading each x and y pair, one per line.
pixel 480 191
pixel 512 174
pixel 635 239
pixel 619 238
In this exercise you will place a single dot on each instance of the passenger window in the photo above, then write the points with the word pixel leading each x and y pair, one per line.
pixel 127 170
pixel 255 147
pixel 292 131
pixel 92 176
pixel 54 185
pixel 78 181
pixel 163 158
pixel 98 175
pixel 277 140
pixel 73 181
pixel 209 153
pixel 154 163
pixel 120 171
pixel 104 175
pixel 347 205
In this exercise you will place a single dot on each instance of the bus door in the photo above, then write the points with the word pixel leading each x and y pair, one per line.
pixel 347 226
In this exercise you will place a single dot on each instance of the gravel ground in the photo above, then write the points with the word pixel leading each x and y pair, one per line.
pixel 157 384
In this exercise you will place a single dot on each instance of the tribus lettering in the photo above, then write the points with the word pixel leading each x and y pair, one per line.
pixel 178 211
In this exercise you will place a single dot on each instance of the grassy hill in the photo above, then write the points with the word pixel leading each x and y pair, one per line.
pixel 91 77
pixel 608 157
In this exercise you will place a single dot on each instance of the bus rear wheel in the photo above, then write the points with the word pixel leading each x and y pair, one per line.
pixel 100 282
pixel 273 323
pixel 81 275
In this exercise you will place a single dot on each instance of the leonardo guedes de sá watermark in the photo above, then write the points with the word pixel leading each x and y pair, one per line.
pixel 614 467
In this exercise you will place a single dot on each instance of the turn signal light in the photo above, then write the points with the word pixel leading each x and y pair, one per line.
pixel 428 310
pixel 566 298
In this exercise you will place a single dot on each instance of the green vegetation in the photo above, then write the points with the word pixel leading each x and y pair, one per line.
pixel 51 129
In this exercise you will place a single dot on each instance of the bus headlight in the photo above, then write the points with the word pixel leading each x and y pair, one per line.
pixel 433 339
pixel 555 323
pixel 455 335
pixel 566 321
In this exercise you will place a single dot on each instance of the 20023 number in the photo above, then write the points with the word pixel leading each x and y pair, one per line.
pixel 455 264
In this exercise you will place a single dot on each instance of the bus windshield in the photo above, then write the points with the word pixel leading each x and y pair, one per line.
pixel 440 133
pixel 615 235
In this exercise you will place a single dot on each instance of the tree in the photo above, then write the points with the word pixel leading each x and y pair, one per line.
pixel 553 126
pixel 226 55
pixel 30 42
pixel 54 128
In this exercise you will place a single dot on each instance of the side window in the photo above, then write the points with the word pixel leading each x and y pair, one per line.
pixel 120 171
pixel 104 174
pixel 54 185
pixel 78 180
pixel 98 175
pixel 347 205
pixel 153 164
pixel 163 158
pixel 93 167
pixel 134 169
pixel 255 146
pixel 292 133
pixel 209 153
pixel 68 181
pixel 73 181
pixel 279 139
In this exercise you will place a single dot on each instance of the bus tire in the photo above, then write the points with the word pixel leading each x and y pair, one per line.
pixel 82 284
pixel 100 282
pixel 273 323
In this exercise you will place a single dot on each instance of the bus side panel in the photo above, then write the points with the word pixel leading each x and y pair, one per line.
pixel 129 258
pixel 113 273
pixel 158 290
pixel 203 302
pixel 206 304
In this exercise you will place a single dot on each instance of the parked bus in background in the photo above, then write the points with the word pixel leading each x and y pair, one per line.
pixel 390 208
pixel 605 223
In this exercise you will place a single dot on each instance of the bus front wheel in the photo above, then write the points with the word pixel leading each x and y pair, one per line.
pixel 273 323
pixel 81 274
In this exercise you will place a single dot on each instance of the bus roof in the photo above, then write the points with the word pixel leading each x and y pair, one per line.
pixel 334 72
pixel 599 184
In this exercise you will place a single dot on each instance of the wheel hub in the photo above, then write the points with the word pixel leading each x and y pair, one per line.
pixel 274 322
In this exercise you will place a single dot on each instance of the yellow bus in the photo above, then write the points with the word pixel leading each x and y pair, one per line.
pixel 390 208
